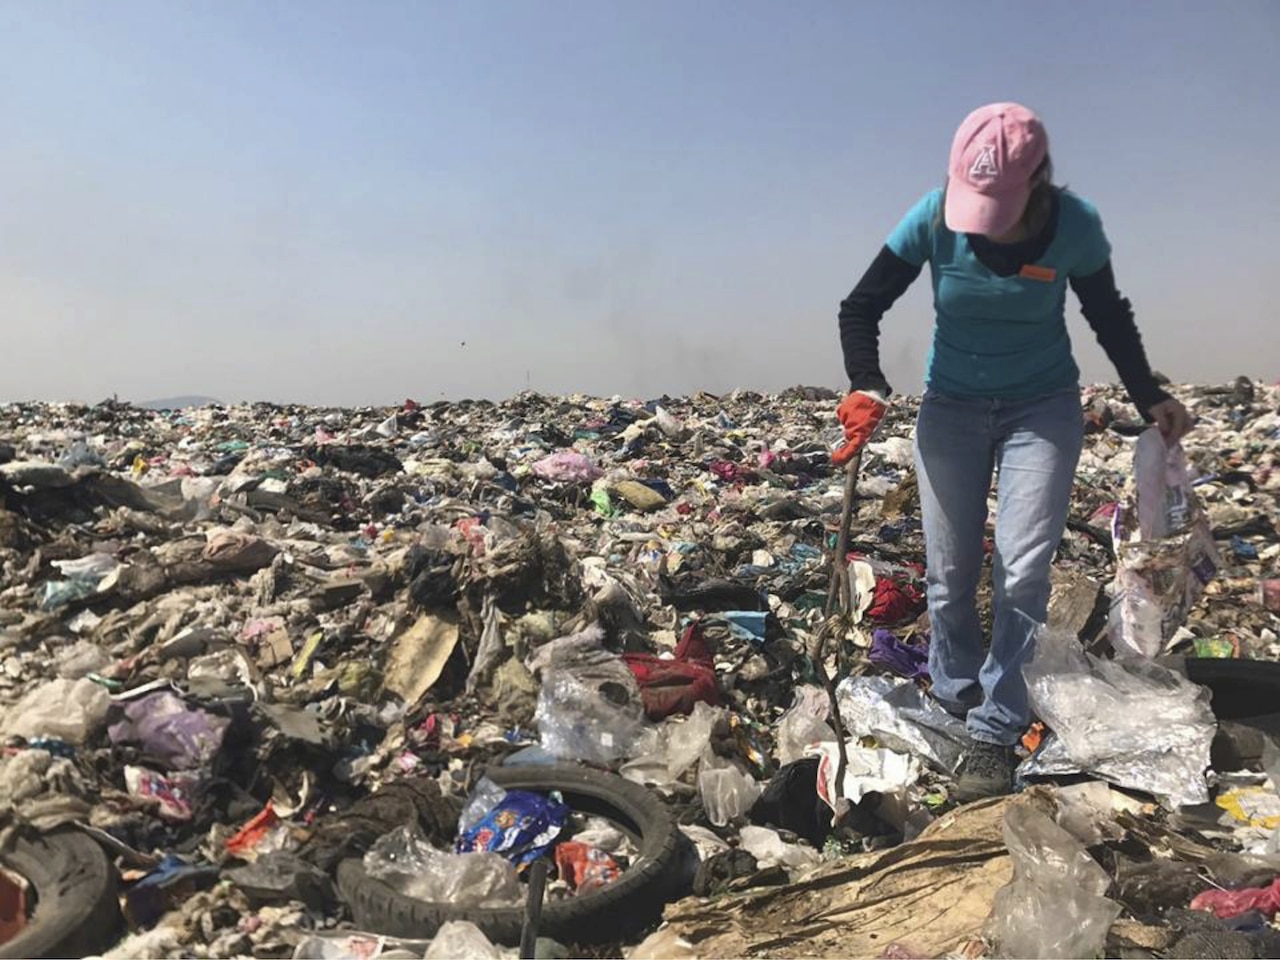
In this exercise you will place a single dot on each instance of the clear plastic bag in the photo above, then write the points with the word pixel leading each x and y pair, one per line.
pixel 727 792
pixel 589 707
pixel 676 746
pixel 1129 721
pixel 768 847
pixel 687 740
pixel 1165 552
pixel 461 940
pixel 484 797
pixel 1055 906
pixel 405 861
pixel 804 724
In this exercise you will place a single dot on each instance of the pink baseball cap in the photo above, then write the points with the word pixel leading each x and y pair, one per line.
pixel 994 154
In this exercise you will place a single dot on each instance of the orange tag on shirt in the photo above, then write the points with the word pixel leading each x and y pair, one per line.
pixel 1043 274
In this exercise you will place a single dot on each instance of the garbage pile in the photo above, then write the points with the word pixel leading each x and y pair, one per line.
pixel 335 682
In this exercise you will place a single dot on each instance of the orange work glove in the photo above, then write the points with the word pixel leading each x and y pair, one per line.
pixel 860 413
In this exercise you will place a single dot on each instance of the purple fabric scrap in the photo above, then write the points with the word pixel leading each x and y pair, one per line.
pixel 902 658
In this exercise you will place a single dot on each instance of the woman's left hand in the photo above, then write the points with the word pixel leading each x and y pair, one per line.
pixel 1173 419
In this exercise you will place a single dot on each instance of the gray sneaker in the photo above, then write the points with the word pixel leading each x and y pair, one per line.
pixel 987 772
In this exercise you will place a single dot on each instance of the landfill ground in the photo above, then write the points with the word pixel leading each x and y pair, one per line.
pixel 285 681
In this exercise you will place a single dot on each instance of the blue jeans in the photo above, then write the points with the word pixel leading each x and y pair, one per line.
pixel 1033 446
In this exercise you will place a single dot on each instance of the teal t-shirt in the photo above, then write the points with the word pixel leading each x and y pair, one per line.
pixel 997 336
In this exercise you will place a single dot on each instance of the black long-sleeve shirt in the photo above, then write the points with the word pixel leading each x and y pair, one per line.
pixel 1109 314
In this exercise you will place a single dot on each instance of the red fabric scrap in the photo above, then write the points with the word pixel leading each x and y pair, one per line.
pixel 895 601
pixel 675 686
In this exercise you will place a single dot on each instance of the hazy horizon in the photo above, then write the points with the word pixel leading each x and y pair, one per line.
pixel 349 204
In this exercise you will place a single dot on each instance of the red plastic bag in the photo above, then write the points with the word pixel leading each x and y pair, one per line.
pixel 1225 904
pixel 585 868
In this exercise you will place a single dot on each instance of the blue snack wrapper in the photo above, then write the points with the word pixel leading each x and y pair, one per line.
pixel 522 826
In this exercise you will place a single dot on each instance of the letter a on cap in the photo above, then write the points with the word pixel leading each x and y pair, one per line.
pixel 985 163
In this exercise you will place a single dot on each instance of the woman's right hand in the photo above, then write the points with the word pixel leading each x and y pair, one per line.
pixel 859 413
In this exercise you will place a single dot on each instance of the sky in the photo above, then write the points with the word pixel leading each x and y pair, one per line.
pixel 355 203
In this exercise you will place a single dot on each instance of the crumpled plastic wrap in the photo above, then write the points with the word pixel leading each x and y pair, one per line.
pixel 1055 906
pixel 1131 722
pixel 404 860
pixel 902 718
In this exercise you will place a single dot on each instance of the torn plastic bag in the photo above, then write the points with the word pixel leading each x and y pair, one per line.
pixel 484 797
pixel 1225 904
pixel 900 717
pixel 769 849
pixel 1128 721
pixel 904 659
pixel 567 466
pixel 679 744
pixel 1164 548
pixel 804 724
pixel 1055 906
pixel 790 802
pixel 346 945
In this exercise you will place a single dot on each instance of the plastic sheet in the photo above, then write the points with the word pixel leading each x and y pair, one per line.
pixel 900 717
pixel 1055 906
pixel 1131 722
pixel 404 860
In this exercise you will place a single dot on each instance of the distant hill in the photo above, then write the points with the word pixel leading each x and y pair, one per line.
pixel 177 403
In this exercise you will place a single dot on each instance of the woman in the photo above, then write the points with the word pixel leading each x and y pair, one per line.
pixel 1002 395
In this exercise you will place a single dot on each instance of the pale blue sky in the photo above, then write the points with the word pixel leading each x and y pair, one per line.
pixel 320 201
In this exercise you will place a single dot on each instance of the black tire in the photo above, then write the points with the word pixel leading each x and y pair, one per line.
pixel 629 904
pixel 74 885
pixel 1242 689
